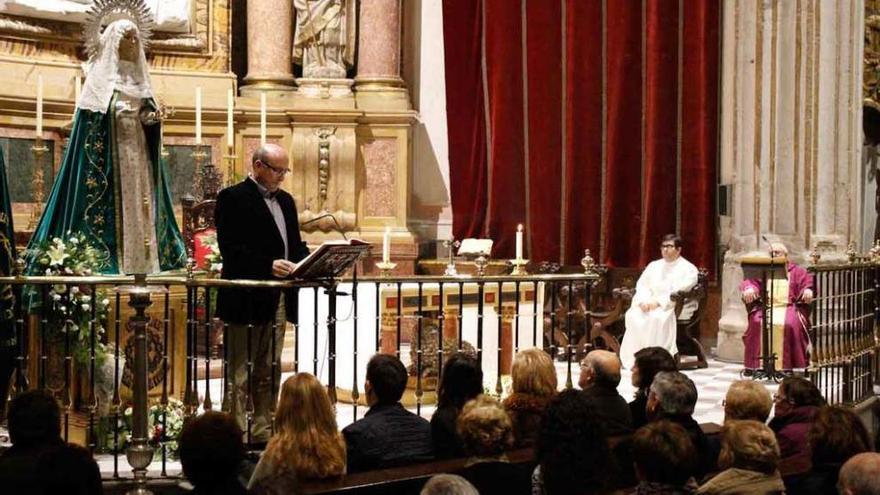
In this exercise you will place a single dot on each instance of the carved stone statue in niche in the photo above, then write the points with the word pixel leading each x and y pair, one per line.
pixel 324 37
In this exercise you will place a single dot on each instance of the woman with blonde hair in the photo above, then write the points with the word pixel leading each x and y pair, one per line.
pixel 749 459
pixel 307 443
pixel 534 384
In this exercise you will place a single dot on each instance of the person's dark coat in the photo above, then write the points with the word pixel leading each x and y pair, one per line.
pixel 611 409
pixel 499 478
pixel 447 444
pixel 791 431
pixel 249 242
pixel 387 436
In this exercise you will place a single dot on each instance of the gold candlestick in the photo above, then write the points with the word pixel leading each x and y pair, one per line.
pixel 229 158
pixel 385 268
pixel 519 267
pixel 38 149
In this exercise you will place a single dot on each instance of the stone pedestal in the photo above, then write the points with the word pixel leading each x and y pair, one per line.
pixel 270 32
pixel 790 137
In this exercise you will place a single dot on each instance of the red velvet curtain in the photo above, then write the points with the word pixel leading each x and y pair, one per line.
pixel 592 122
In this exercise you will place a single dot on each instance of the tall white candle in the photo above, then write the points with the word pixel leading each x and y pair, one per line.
pixel 519 242
pixel 39 106
pixel 386 245
pixel 199 115
pixel 262 118
pixel 77 90
pixel 229 129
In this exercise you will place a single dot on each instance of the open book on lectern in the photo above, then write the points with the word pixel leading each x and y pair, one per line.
pixel 331 259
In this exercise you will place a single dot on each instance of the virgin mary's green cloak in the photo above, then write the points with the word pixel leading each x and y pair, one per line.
pixel 85 197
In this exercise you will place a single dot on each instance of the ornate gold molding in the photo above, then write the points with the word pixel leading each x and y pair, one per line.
pixel 871 67
pixel 206 47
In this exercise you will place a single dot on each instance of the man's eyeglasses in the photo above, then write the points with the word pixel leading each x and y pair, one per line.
pixel 280 172
pixel 667 246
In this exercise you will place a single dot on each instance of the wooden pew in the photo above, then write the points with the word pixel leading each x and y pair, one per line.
pixel 410 479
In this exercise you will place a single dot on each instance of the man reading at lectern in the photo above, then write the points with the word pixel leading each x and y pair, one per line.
pixel 259 239
pixel 650 319
pixel 790 305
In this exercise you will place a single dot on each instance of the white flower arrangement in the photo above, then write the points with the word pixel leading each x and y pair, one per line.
pixel 69 309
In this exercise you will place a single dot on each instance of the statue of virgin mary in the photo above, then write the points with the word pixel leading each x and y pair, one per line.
pixel 112 186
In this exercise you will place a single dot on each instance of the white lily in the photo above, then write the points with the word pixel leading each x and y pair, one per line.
pixel 57 255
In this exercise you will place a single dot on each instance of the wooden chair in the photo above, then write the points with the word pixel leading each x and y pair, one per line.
pixel 198 220
pixel 687 337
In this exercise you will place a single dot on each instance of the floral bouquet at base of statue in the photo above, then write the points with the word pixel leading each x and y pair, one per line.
pixel 164 424
pixel 73 312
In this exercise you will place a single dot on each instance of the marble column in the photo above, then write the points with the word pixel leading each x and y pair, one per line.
pixel 790 136
pixel 270 38
pixel 379 44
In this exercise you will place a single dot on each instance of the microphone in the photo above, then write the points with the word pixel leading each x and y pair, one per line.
pixel 331 217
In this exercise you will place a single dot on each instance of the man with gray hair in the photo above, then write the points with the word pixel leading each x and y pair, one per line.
pixel 600 375
pixel 860 475
pixel 673 397
pixel 448 484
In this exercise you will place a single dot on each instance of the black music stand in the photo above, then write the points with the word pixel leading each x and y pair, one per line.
pixel 765 269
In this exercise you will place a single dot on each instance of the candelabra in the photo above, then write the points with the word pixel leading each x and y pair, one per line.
pixel 38 149
pixel 452 244
pixel 229 158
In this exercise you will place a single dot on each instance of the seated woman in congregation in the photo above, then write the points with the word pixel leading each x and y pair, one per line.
pixel 797 401
pixel 307 443
pixel 572 449
pixel 749 459
pixel 665 459
pixel 487 434
pixel 462 381
pixel 648 362
pixel 534 385
pixel 836 435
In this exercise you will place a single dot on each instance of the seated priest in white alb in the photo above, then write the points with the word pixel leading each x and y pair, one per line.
pixel 650 320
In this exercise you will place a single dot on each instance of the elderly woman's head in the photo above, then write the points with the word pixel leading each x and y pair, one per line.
pixel 533 373
pixel 485 428
pixel 837 434
pixel 794 392
pixel 747 400
pixel 750 445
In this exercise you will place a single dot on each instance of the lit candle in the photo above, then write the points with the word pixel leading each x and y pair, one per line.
pixel 229 129
pixel 519 242
pixel 199 115
pixel 262 118
pixel 386 245
pixel 39 106
pixel 77 90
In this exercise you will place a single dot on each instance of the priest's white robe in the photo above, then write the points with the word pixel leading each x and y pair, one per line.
pixel 657 327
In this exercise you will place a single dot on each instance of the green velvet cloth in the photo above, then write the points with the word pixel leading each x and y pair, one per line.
pixel 7 263
pixel 86 192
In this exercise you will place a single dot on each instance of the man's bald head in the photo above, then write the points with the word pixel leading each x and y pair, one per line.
pixel 267 152
pixel 269 165
pixel 600 368
pixel 860 475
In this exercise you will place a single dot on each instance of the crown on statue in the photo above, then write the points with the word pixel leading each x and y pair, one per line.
pixel 103 12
